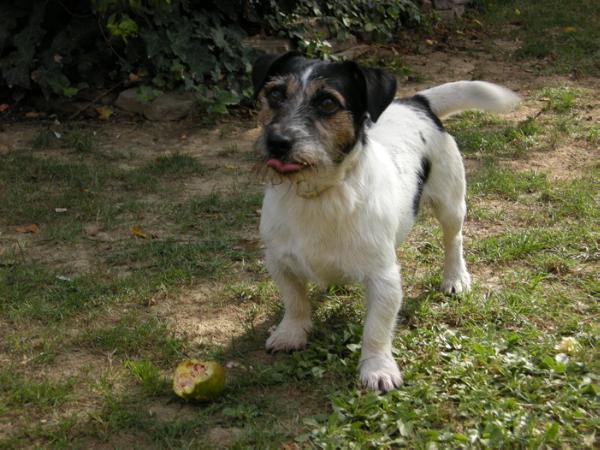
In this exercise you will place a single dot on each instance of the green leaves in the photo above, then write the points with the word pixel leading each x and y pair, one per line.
pixel 121 25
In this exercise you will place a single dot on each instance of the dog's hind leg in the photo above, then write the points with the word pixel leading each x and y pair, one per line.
pixel 445 190
pixel 377 368
pixel 292 331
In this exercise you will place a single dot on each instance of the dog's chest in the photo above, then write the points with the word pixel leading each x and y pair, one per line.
pixel 325 243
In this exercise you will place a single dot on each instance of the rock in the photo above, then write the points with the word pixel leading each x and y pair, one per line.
pixel 168 106
pixel 268 44
pixel 353 52
pixel 450 9
pixel 128 101
pixel 451 14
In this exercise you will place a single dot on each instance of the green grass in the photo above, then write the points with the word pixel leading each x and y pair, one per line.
pixel 563 35
pixel 19 391
pixel 489 137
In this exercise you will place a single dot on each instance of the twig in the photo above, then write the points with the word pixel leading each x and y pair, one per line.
pixel 79 111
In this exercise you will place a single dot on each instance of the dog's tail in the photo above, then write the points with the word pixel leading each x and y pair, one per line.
pixel 451 98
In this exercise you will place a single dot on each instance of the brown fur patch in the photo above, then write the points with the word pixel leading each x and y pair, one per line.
pixel 337 130
pixel 265 114
pixel 291 88
pixel 289 82
pixel 321 86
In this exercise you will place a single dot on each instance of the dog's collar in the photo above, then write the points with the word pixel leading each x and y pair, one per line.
pixel 304 188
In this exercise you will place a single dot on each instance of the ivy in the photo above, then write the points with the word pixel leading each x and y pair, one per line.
pixel 61 47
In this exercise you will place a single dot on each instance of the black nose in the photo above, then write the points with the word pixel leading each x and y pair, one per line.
pixel 278 144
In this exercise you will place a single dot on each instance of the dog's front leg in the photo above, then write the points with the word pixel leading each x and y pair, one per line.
pixel 292 331
pixel 378 370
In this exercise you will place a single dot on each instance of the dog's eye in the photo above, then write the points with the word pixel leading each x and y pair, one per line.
pixel 328 105
pixel 275 98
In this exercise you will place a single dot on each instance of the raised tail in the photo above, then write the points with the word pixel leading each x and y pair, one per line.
pixel 452 98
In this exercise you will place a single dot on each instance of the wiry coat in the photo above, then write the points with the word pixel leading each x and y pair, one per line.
pixel 345 227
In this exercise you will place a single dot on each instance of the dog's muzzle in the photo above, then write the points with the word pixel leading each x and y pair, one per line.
pixel 279 145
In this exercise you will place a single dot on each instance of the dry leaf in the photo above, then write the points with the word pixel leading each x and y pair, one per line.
pixel 34 114
pixel 31 228
pixel 247 244
pixel 133 77
pixel 4 107
pixel 104 112
pixel 137 232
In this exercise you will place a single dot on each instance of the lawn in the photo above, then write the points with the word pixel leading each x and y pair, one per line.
pixel 128 246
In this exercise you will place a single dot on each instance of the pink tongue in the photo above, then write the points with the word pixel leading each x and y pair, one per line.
pixel 283 167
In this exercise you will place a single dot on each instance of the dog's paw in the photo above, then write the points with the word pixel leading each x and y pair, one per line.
pixel 456 283
pixel 380 373
pixel 288 336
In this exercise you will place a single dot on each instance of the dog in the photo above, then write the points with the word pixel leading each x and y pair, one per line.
pixel 347 166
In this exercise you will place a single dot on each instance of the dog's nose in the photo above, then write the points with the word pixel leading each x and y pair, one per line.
pixel 278 144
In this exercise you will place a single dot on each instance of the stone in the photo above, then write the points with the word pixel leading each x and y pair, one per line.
pixel 166 107
pixel 353 52
pixel 268 44
pixel 128 101
pixel 449 15
pixel 170 106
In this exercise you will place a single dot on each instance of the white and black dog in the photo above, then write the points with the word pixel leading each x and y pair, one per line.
pixel 347 167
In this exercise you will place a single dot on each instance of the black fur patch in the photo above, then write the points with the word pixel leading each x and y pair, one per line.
pixel 422 176
pixel 420 103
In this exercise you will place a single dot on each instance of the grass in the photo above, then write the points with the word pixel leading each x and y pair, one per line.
pixel 94 319
pixel 561 36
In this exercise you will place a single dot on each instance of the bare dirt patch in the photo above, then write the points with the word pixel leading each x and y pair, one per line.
pixel 202 316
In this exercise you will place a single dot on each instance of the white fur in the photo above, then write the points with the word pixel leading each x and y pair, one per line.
pixel 349 232
pixel 459 96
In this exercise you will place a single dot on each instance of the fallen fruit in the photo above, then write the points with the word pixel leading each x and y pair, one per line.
pixel 198 380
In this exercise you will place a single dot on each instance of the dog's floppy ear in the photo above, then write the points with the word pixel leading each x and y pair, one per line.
pixel 267 65
pixel 381 89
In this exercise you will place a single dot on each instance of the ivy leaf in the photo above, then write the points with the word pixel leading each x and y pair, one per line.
pixel 218 36
pixel 70 91
pixel 17 65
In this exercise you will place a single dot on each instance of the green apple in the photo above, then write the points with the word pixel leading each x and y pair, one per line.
pixel 198 380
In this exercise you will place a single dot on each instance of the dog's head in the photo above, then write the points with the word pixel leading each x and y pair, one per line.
pixel 314 112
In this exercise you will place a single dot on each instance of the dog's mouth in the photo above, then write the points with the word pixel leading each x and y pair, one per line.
pixel 285 168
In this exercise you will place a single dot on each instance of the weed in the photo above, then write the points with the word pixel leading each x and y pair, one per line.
pixel 148 375
pixel 560 99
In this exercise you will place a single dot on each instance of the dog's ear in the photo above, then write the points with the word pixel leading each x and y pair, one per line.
pixel 266 66
pixel 381 89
